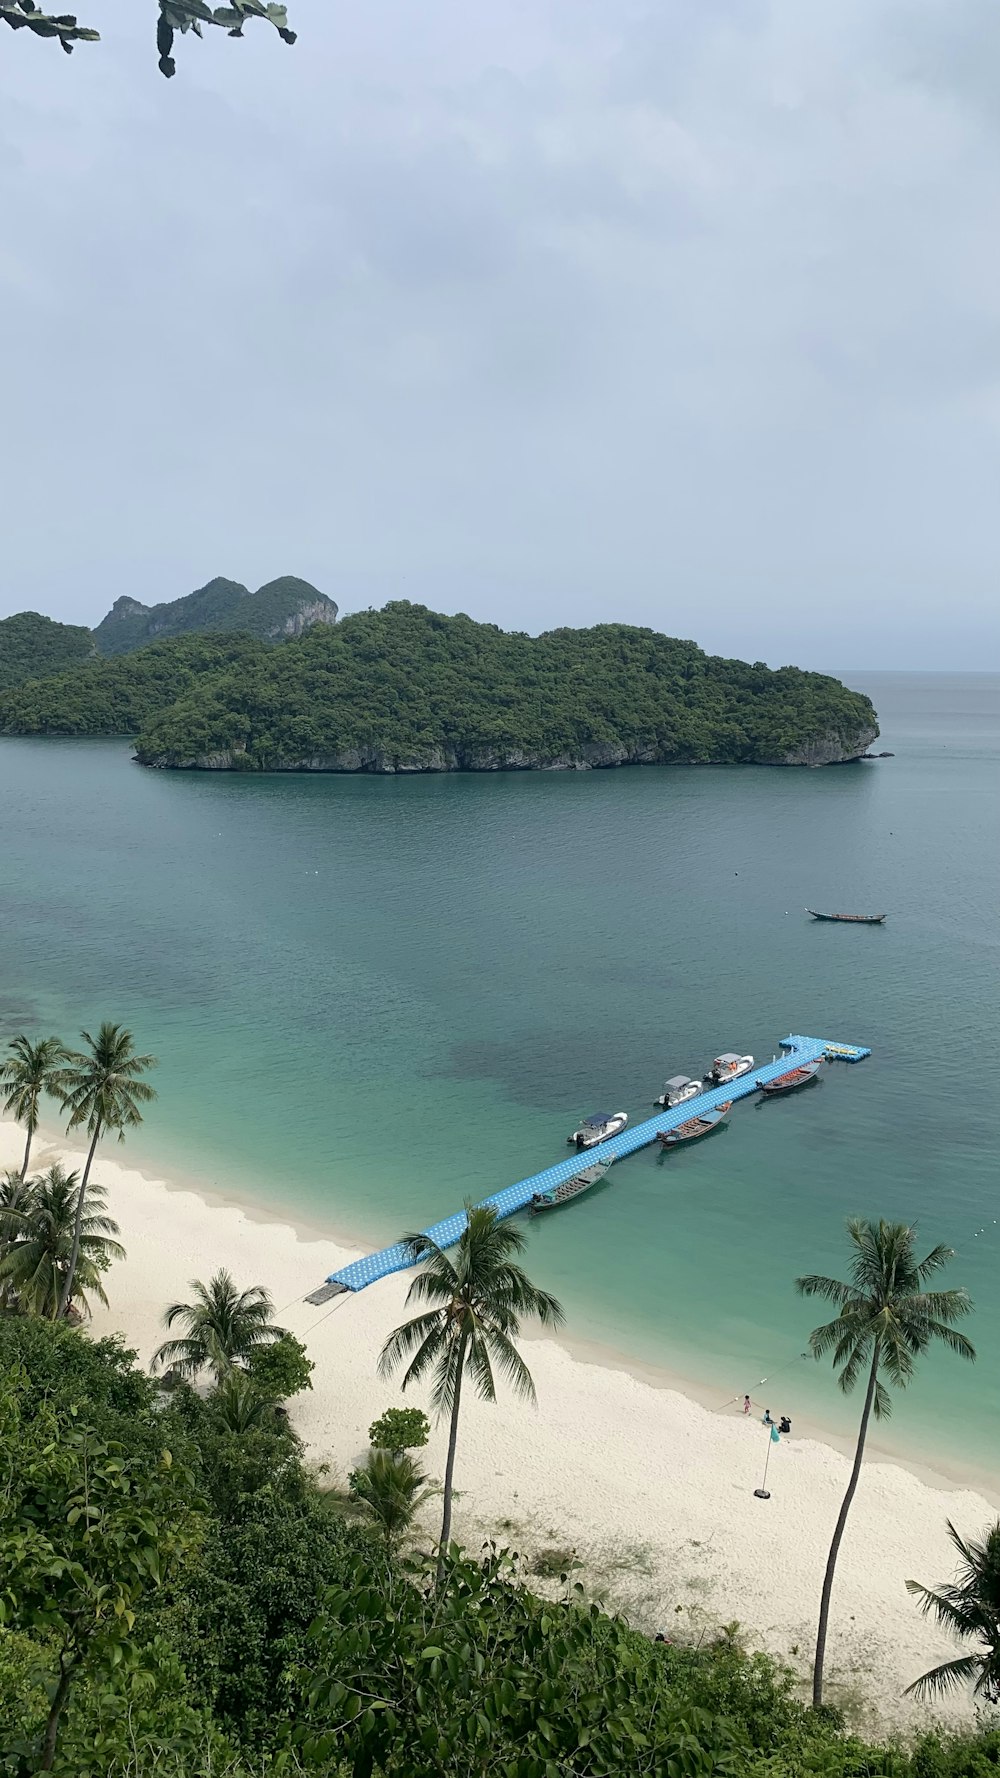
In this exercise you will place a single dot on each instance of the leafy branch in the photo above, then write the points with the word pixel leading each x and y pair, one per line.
pixel 174 16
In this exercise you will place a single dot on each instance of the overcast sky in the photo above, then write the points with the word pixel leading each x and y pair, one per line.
pixel 683 313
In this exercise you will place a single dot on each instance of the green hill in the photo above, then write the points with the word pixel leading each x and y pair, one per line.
pixel 119 696
pixel 407 689
pixel 283 607
pixel 31 645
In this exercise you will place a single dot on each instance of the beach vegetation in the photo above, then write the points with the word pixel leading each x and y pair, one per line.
pixel 969 1607
pixel 400 1429
pixel 101 1088
pixel 478 1297
pixel 280 1368
pixel 27 1073
pixel 886 1318
pixel 391 1487
pixel 224 1327
pixel 38 1239
pixel 180 1596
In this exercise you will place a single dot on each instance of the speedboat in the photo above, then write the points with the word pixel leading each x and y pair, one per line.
pixel 678 1089
pixel 570 1188
pixel 598 1128
pixel 729 1065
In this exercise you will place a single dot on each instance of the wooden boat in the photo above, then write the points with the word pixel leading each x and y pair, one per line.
pixel 850 919
pixel 678 1088
pixel 569 1188
pixel 599 1128
pixel 788 1083
pixel 696 1126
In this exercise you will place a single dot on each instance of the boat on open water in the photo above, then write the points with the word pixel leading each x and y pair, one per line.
pixel 696 1127
pixel 599 1128
pixel 728 1066
pixel 790 1082
pixel 850 919
pixel 678 1089
pixel 569 1189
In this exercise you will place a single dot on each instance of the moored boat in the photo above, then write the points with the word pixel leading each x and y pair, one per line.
pixel 728 1066
pixel 696 1127
pixel 569 1188
pixel 677 1089
pixel 599 1128
pixel 788 1083
pixel 850 919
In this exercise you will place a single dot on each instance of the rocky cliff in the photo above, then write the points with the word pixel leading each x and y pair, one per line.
pixel 280 608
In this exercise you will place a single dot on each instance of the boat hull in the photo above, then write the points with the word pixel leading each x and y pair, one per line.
pixel 790 1083
pixel 569 1191
pixel 849 919
pixel 696 1129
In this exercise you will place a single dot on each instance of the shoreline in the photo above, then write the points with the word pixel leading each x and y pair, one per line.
pixel 650 1486
pixel 653 1374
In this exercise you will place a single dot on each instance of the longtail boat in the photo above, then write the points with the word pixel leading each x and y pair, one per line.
pixel 696 1126
pixel 569 1189
pixel 787 1083
pixel 850 919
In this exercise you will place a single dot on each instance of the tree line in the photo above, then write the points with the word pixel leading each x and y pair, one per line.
pixel 408 687
pixel 180 1593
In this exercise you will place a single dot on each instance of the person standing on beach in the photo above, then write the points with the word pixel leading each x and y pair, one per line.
pixel 746 1404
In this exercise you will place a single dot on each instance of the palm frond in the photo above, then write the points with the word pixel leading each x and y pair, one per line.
pixel 945 1678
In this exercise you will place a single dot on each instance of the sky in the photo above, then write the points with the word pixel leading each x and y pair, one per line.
pixel 551 311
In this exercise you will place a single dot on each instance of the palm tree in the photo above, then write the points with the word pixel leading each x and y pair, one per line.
pixel 239 1406
pixel 36 1263
pixel 885 1320
pixel 29 1072
pixel 969 1606
pixel 102 1088
pixel 224 1325
pixel 392 1487
pixel 480 1297
pixel 16 1195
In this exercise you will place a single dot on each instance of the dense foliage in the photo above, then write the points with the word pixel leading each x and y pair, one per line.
pixel 218 607
pixel 32 646
pixel 407 688
pixel 215 1615
pixel 117 697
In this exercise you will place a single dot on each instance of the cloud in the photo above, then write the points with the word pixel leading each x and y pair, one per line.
pixel 685 315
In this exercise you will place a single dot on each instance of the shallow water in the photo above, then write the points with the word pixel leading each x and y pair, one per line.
pixel 373 998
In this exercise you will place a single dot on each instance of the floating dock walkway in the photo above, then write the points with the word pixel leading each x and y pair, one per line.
pixel 799 1050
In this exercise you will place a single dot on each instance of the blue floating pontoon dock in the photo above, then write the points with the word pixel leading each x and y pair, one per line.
pixel 799 1050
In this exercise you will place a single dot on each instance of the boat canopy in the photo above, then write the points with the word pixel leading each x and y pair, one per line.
pixel 729 1056
pixel 599 1117
pixel 677 1081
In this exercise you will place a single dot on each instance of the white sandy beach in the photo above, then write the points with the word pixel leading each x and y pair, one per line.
pixel 652 1489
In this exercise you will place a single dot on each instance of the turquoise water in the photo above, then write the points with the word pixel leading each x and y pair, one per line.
pixel 373 998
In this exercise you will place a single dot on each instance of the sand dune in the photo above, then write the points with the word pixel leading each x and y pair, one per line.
pixel 653 1490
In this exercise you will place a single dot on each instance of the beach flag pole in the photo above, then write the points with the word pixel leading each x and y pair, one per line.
pixel 763 1492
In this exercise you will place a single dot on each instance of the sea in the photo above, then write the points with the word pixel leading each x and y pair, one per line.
pixel 375 998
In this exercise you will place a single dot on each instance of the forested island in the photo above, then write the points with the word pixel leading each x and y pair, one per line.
pixel 406 689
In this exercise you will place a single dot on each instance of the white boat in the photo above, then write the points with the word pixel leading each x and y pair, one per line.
pixel 729 1065
pixel 679 1088
pixel 598 1128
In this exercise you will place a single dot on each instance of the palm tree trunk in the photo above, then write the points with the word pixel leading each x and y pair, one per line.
pixel 74 1252
pixel 52 1725
pixel 831 1561
pixel 27 1152
pixel 449 1468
